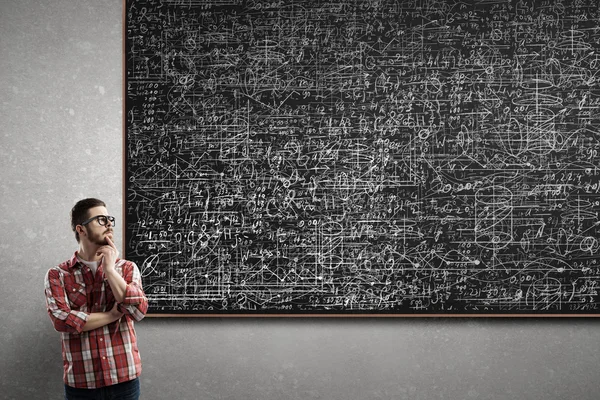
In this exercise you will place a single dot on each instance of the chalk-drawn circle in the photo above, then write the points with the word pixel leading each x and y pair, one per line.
pixel 424 134
pixel 330 261
pixel 546 286
pixel 536 99
pixel 541 115
pixel 331 228
pixel 589 244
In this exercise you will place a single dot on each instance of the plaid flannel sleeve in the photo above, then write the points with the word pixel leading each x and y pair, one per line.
pixel 135 303
pixel 63 318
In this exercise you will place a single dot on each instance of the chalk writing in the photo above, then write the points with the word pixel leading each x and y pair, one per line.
pixel 375 156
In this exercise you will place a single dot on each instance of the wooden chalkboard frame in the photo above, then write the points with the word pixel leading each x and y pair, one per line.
pixel 272 313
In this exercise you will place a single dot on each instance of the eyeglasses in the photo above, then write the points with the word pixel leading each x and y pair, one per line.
pixel 103 220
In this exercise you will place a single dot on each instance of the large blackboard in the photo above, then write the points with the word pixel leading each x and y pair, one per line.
pixel 363 157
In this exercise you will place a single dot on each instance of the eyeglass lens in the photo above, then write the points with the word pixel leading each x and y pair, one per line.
pixel 103 220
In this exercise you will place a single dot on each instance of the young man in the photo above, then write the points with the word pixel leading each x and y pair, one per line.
pixel 93 300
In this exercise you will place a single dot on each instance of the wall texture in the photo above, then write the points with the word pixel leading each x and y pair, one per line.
pixel 61 140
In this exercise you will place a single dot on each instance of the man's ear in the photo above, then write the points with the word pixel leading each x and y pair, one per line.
pixel 81 230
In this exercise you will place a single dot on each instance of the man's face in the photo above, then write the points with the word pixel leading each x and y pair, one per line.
pixel 97 233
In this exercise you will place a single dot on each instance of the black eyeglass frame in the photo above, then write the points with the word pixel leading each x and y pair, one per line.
pixel 109 218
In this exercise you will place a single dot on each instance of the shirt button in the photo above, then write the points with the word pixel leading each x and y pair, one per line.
pixel 74 289
pixel 104 358
pixel 101 339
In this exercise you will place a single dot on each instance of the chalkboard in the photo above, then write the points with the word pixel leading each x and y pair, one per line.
pixel 418 157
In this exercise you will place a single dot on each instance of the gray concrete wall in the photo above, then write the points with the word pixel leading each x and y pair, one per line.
pixel 61 140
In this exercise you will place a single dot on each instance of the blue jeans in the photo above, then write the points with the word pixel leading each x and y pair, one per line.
pixel 121 391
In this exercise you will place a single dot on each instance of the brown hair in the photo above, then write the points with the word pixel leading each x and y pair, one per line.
pixel 79 212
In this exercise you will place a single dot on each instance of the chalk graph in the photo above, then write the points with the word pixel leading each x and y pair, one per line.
pixel 397 157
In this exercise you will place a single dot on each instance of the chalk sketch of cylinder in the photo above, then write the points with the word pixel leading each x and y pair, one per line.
pixel 493 217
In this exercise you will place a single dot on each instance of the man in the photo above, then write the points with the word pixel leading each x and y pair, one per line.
pixel 93 300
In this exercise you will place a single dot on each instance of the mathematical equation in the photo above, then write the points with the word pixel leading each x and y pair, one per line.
pixel 397 157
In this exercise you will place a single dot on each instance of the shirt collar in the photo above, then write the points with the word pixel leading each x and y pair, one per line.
pixel 74 262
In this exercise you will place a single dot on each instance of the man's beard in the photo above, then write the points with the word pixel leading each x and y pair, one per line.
pixel 99 238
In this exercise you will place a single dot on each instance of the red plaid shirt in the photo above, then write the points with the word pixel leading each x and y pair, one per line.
pixel 107 355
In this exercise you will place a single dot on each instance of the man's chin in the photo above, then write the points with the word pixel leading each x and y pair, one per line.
pixel 103 242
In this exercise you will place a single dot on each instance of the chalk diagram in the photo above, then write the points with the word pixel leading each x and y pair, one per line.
pixel 379 157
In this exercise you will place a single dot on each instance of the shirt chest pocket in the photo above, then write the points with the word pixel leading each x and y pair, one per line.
pixel 77 295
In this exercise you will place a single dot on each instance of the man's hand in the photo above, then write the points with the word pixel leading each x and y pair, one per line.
pixel 115 312
pixel 99 319
pixel 108 254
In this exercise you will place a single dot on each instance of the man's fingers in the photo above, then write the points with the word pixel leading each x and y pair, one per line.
pixel 103 249
pixel 111 243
